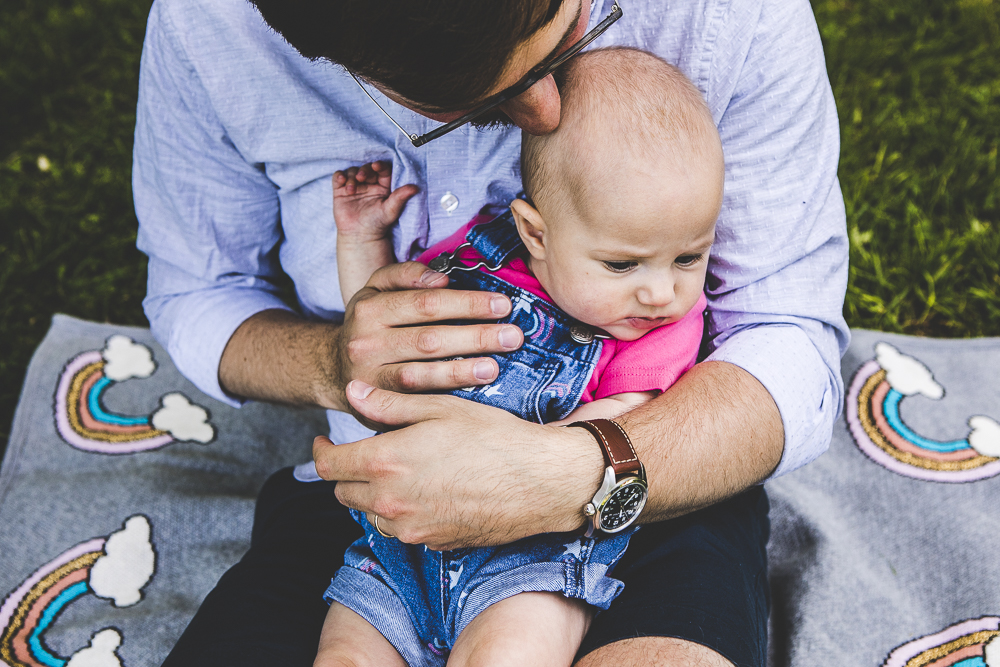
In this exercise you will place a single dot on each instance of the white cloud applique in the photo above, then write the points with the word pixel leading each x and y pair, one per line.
pixel 183 419
pixel 991 652
pixel 127 564
pixel 905 374
pixel 125 359
pixel 985 439
pixel 100 652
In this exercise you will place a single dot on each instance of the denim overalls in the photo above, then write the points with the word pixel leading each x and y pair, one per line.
pixel 419 599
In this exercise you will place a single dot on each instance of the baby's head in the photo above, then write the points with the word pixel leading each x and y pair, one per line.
pixel 624 194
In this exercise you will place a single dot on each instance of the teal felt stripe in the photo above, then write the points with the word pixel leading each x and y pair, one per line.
pixel 98 413
pixel 38 649
pixel 971 662
pixel 890 407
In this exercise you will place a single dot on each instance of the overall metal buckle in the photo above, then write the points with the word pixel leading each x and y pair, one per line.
pixel 447 262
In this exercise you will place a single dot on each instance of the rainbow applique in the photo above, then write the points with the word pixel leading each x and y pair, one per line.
pixel 873 418
pixel 541 324
pixel 83 421
pixel 115 568
pixel 970 643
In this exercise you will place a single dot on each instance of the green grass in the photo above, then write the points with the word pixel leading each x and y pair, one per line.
pixel 917 85
pixel 68 77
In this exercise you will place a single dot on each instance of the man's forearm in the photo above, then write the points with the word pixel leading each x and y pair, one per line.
pixel 464 474
pixel 277 356
pixel 715 433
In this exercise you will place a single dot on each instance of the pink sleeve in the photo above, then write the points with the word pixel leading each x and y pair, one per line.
pixel 655 361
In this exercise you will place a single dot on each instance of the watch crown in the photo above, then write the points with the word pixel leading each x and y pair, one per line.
pixel 589 509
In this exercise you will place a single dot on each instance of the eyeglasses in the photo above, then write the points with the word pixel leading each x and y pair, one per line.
pixel 530 79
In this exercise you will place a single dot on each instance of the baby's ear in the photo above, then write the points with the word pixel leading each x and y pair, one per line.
pixel 530 227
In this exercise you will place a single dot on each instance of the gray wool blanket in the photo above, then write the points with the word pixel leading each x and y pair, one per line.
pixel 125 494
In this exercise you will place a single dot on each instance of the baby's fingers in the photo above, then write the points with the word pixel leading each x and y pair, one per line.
pixel 346 180
pixel 374 172
pixel 394 203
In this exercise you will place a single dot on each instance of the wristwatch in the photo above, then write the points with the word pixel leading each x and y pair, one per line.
pixel 622 495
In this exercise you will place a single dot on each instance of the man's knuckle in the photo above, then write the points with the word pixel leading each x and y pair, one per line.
pixel 409 377
pixel 382 271
pixel 387 507
pixel 411 536
pixel 484 338
pixel 358 349
pixel 427 303
pixel 459 372
pixel 479 303
pixel 342 497
pixel 363 309
pixel 428 341
pixel 381 464
pixel 385 401
pixel 323 469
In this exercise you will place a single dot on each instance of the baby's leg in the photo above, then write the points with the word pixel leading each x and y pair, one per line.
pixel 348 640
pixel 524 629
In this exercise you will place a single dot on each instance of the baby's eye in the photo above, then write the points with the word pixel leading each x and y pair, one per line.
pixel 621 267
pixel 688 260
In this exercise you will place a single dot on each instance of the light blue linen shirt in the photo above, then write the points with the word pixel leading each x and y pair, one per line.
pixel 237 137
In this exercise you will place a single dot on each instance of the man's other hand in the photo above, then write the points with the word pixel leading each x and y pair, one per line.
pixel 454 473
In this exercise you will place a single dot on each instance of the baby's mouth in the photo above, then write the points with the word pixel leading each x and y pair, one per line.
pixel 646 322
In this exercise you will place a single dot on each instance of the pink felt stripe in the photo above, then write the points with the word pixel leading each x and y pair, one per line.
pixel 973 651
pixel 19 642
pixel 14 599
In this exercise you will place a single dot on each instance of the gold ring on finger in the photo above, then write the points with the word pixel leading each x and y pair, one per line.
pixel 379 530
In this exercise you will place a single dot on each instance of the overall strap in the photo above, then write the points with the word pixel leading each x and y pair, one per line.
pixel 496 240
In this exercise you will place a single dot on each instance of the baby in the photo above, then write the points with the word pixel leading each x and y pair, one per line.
pixel 605 264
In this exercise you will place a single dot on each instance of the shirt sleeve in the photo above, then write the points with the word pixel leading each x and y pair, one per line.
pixel 778 273
pixel 208 220
pixel 655 361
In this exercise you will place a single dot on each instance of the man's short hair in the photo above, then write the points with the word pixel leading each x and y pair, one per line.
pixel 617 101
pixel 444 54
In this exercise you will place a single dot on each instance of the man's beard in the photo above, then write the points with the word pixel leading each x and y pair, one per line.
pixel 494 119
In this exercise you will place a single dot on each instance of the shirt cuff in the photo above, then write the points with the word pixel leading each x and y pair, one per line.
pixel 195 329
pixel 785 361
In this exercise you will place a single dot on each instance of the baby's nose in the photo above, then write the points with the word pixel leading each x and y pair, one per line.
pixel 659 293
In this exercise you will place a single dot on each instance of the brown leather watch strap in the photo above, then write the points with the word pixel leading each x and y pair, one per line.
pixel 617 448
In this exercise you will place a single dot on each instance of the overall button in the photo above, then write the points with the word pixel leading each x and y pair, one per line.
pixel 581 334
pixel 449 202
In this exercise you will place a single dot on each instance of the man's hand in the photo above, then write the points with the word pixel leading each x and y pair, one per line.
pixel 454 473
pixel 390 339
pixel 460 473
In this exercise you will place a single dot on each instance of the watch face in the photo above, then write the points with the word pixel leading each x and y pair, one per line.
pixel 623 505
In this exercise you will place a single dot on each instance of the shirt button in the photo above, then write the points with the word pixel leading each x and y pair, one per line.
pixel 449 202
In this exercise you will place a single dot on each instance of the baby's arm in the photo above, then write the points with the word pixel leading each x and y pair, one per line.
pixel 365 210
pixel 608 407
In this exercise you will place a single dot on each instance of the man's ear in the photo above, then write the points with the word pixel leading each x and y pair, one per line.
pixel 530 226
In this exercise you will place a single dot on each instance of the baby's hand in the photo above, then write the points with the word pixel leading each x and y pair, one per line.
pixel 608 407
pixel 364 208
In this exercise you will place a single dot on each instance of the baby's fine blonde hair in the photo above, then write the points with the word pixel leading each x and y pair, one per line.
pixel 621 107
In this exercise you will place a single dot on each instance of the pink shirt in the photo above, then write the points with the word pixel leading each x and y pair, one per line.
pixel 651 363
